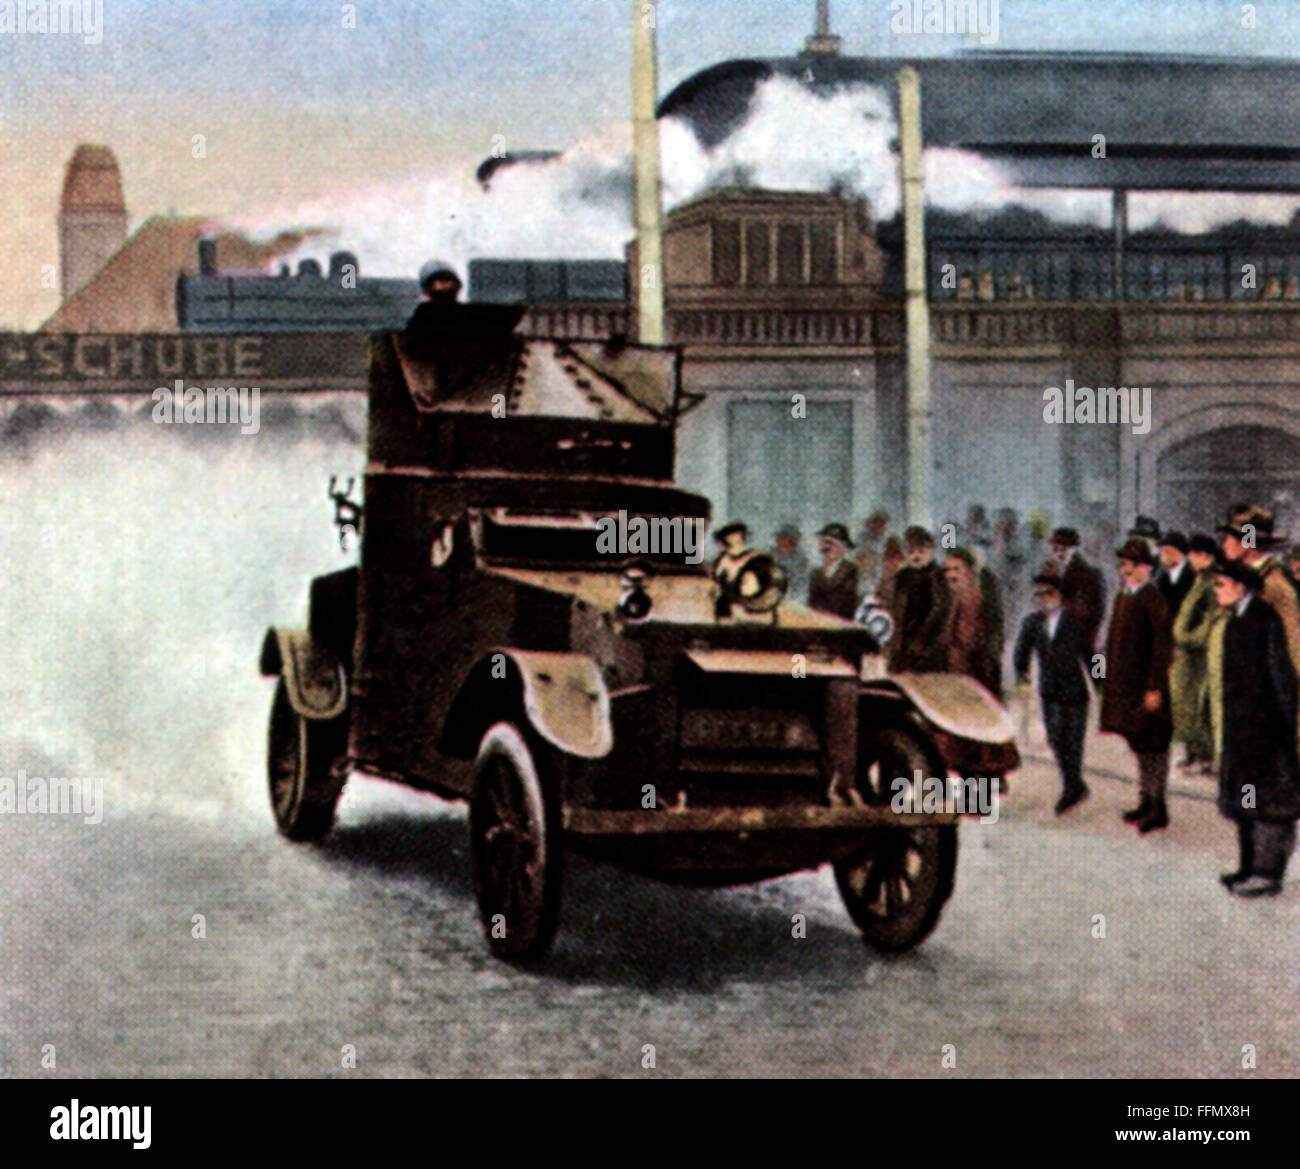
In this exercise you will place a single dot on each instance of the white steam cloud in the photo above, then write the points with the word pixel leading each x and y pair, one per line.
pixel 151 560
pixel 579 204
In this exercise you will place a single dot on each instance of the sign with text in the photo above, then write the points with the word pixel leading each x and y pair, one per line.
pixel 144 361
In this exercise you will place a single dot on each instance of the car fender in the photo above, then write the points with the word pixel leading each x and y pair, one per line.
pixel 313 676
pixel 562 696
pixel 953 703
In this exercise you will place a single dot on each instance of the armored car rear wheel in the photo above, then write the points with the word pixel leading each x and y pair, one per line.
pixel 896 887
pixel 516 845
pixel 304 769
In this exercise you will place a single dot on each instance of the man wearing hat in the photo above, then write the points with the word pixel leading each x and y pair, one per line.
pixel 834 584
pixel 871 539
pixel 1082 590
pixel 787 553
pixel 1135 701
pixel 920 609
pixel 734 541
pixel 1249 538
pixel 1175 579
pixel 1145 528
pixel 1189 676
pixel 1064 660
pixel 1259 778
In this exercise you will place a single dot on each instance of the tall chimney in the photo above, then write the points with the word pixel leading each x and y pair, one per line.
pixel 645 143
pixel 918 307
pixel 92 217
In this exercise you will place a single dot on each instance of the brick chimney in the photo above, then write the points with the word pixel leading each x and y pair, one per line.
pixel 92 216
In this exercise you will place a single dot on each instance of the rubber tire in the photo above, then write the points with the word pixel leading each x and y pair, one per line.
pixel 899 750
pixel 305 773
pixel 510 772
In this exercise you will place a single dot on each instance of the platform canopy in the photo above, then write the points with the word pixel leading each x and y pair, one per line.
pixel 1173 123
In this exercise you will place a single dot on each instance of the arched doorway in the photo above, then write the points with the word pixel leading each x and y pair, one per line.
pixel 1199 478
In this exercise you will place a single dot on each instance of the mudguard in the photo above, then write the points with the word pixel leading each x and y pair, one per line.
pixel 563 695
pixel 956 704
pixel 313 676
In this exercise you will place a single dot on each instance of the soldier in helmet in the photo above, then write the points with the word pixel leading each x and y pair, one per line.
pixel 440 286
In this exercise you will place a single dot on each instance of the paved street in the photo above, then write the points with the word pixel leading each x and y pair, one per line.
pixel 372 940
pixel 144 675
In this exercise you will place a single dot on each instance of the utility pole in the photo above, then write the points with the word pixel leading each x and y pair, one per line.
pixel 917 303
pixel 645 143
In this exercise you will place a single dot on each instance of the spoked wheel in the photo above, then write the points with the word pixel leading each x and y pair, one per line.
pixel 304 769
pixel 516 844
pixel 895 889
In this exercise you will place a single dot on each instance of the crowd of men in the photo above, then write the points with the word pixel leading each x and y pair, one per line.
pixel 1202 648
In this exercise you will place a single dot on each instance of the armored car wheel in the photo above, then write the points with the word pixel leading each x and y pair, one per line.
pixel 304 769
pixel 895 889
pixel 515 839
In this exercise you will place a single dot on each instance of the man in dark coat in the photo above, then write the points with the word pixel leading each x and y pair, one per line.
pixel 1135 701
pixel 1053 637
pixel 1176 575
pixel 1259 778
pixel 1082 590
pixel 920 609
pixel 833 587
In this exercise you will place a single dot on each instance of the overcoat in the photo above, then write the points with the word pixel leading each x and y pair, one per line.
pixel 920 611
pixel 837 592
pixel 1139 652
pixel 1258 774
pixel 1188 677
pixel 966 641
pixel 1084 595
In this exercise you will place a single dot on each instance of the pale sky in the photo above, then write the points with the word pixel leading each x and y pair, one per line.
pixel 295 107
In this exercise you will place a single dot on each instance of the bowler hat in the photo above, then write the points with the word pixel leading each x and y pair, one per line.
pixel 1255 529
pixel 1200 542
pixel 1064 538
pixel 730 530
pixel 1173 539
pixel 836 532
pixel 1051 579
pixel 1241 572
pixel 1136 550
pixel 1145 528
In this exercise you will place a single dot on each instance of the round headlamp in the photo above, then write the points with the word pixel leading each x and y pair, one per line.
pixel 759 586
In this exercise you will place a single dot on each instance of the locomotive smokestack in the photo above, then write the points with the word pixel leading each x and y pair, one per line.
pixel 918 308
pixel 645 141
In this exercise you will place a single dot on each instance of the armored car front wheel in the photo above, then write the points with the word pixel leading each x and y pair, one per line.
pixel 896 887
pixel 304 769
pixel 515 838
